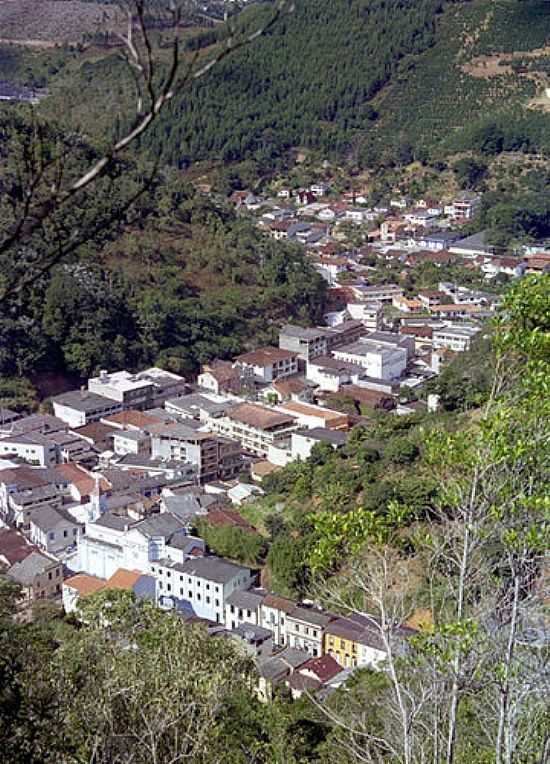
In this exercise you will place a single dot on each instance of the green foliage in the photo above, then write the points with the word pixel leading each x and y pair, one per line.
pixel 233 542
pixel 465 382
pixel 470 172
pixel 286 565
pixel 17 394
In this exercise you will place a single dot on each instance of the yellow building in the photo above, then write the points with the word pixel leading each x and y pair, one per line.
pixel 354 641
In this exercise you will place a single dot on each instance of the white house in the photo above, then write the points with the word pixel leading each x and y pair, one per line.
pixel 53 530
pixel 268 363
pixel 79 407
pixel 456 337
pixel 243 606
pixel 379 361
pixel 330 373
pixel 274 611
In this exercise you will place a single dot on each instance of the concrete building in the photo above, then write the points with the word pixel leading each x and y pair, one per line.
pixel 80 407
pixel 304 342
pixel 378 360
pixel 274 611
pixel 303 441
pixel 305 628
pixel 329 374
pixel 179 442
pixel 53 530
pixel 243 607
pixel 458 337
pixel 369 313
pixel 308 415
pixel 268 363
pixel 143 390
pixel 256 428
pixel 199 586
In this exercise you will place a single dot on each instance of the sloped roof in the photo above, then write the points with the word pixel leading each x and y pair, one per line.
pixel 33 565
pixel 84 584
pixel 257 416
pixel 123 579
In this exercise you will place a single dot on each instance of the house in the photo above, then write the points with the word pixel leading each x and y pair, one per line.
pixel 331 267
pixel 330 373
pixel 80 407
pixel 53 529
pixel 274 670
pixel 538 262
pixel 319 189
pixel 422 333
pixel 268 363
pixel 242 493
pixel 455 337
pixel 287 390
pixel 274 612
pixel 137 421
pixel 34 447
pixel 465 206
pixel 83 585
pixel 308 415
pixel 39 575
pixel 14 547
pixel 256 428
pixel 355 641
pixel 407 305
pixel 392 340
pixel 454 310
pixel 22 504
pixel 430 297
pixel 96 434
pixel 303 441
pixel 312 675
pixel 244 607
pixel 220 377
pixel 257 641
pixel 379 360
pixel 305 627
pixel 305 343
pixel 201 585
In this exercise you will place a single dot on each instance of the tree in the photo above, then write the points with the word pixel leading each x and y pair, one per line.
pixel 470 172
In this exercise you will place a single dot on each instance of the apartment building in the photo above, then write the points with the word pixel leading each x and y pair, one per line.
pixel 256 428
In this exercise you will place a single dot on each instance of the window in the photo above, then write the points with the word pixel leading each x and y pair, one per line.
pixel 168 587
pixel 181 578
pixel 198 596
pixel 208 586
pixel 75 531
pixel 50 576
pixel 57 573
pixel 181 592
pixel 217 603
pixel 168 574
pixel 160 584
pixel 248 614
pixel 51 535
pixel 190 595
pixel 208 600
pixel 65 534
pixel 232 608
pixel 314 632
pixel 152 570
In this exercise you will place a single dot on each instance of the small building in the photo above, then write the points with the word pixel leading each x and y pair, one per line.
pixel 305 628
pixel 53 529
pixel 220 377
pixel 80 407
pixel 305 343
pixel 303 441
pixel 39 575
pixel 308 415
pixel 244 607
pixel 313 675
pixel 268 364
pixel 274 612
pixel 376 358
pixel 455 337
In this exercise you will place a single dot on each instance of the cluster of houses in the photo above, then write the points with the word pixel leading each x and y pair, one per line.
pixel 400 230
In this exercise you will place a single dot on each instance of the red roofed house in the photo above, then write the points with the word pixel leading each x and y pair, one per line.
pixel 313 674
pixel 268 363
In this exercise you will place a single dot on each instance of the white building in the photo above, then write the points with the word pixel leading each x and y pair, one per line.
pixel 274 612
pixel 455 337
pixel 330 373
pixel 145 389
pixel 256 428
pixel 268 363
pixel 378 361
pixel 201 585
pixel 243 607
pixel 370 313
pixel 34 447
pixel 305 628
pixel 53 530
pixel 304 441
pixel 79 407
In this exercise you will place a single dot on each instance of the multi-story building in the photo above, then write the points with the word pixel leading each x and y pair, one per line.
pixel 53 530
pixel 305 343
pixel 379 361
pixel 268 363
pixel 305 628
pixel 243 607
pixel 457 338
pixel 201 585
pixel 256 428
pixel 274 612
pixel 379 292
pixel 80 407
pixel 329 374
pixel 369 313
pixel 181 442
pixel 140 391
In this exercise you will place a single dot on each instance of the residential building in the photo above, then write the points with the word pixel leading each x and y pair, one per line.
pixel 275 670
pixel 473 246
pixel 39 575
pixel 79 586
pixel 14 547
pixel 465 206
pixel 304 343
pixel 256 428
pixel 131 442
pixel 369 313
pixel 308 415
pixel 379 360
pixel 199 406
pixel 83 585
pixel 53 529
pixel 274 611
pixel 455 337
pixel 199 586
pixel 143 390
pixel 313 675
pixel 392 340
pixel 244 607
pixel 305 628
pixel 257 641
pixel 437 241
pixel 34 447
pixel 379 292
pixel 80 407
pixel 180 442
pixel 268 363
pixel 21 504
pixel 220 377
pixel 330 374
pixel 344 333
pixel 303 441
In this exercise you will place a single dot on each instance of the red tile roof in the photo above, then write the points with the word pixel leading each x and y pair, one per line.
pixel 323 668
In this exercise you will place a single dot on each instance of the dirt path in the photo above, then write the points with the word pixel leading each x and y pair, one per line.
pixel 485 67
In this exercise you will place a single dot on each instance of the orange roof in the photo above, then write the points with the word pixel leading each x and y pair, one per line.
pixel 84 584
pixel 83 481
pixel 123 579
pixel 306 409
pixel 258 416
pixel 266 356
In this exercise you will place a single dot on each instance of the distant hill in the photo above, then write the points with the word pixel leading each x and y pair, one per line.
pixel 367 76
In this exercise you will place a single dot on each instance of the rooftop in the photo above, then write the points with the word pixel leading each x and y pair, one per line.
pixel 301 333
pixel 25 571
pixel 132 418
pixel 83 400
pixel 247 600
pixel 258 416
pixel 84 584
pixel 46 518
pixel 212 568
pixel 265 356
pixel 323 435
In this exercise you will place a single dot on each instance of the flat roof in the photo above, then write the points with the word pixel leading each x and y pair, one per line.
pixel 311 410
pixel 303 333
pixel 323 435
pixel 84 400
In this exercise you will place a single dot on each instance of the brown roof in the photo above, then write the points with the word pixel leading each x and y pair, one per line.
pixel 265 356
pixel 222 371
pixel 289 386
pixel 370 397
pixel 123 579
pixel 132 418
pixel 95 431
pixel 324 668
pixel 84 584
pixel 258 416
pixel 82 480
pixel 280 603
pixel 263 468
pixel 14 547
pixel 221 517
pixel 24 477
pixel 449 308
pixel 416 331
pixel 330 417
